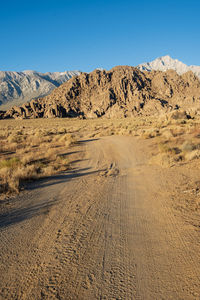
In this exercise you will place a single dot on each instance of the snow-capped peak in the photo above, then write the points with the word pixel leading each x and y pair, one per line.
pixel 165 63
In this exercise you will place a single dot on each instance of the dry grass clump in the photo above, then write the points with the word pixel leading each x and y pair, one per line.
pixel 177 143
pixel 31 149
pixel 48 170
pixel 167 148
pixel 12 178
pixel 191 149
pixel 7 182
pixel 31 152
pixel 28 158
pixel 9 163
pixel 192 155
pixel 150 133
pixel 10 147
pixel 187 146
pixel 166 133
pixel 67 138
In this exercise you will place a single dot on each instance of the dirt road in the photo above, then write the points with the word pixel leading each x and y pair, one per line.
pixel 104 230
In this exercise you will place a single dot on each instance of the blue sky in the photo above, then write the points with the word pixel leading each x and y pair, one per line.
pixel 83 35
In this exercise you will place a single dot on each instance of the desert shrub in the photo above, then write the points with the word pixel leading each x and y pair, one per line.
pixel 10 147
pixel 27 172
pixel 48 170
pixel 162 159
pixel 167 133
pixel 164 147
pixel 51 153
pixel 38 133
pixel 14 138
pixel 62 130
pixel 69 139
pixel 51 131
pixel 11 180
pixel 4 173
pixel 188 146
pixel 35 141
pixel 178 131
pixel 192 155
pixel 7 182
pixel 9 163
pixel 195 132
pixel 28 158
pixel 150 133
pixel 174 150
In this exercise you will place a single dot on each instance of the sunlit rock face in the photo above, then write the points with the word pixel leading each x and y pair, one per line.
pixel 119 93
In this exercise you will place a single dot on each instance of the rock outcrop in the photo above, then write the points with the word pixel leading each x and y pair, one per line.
pixel 121 92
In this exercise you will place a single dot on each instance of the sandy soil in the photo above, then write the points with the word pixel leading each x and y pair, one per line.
pixel 105 230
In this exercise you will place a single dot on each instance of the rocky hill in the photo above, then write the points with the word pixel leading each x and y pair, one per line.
pixel 121 92
pixel 165 63
pixel 16 88
pixel 19 87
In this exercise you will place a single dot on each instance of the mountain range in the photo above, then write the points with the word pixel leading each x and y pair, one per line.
pixel 16 88
pixel 19 87
pixel 118 93
pixel 165 63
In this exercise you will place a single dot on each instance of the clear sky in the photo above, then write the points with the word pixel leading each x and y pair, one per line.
pixel 82 35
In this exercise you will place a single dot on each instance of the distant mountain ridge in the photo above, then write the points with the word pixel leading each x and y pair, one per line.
pixel 165 63
pixel 23 86
pixel 118 93
pixel 16 88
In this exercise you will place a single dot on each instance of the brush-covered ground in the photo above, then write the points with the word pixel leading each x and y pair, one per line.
pixel 33 149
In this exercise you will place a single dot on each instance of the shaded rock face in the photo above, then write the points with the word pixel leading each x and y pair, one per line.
pixel 121 92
